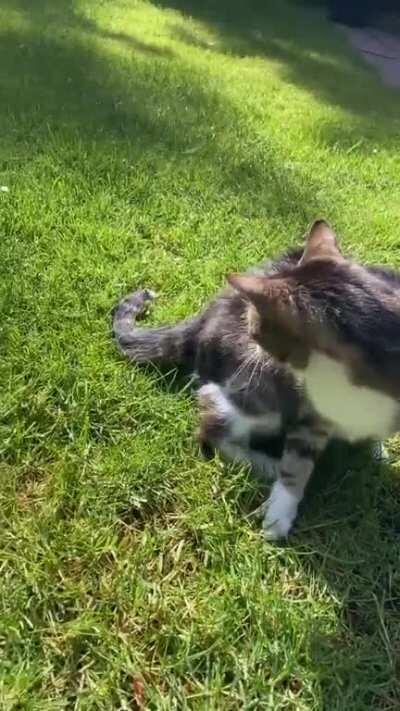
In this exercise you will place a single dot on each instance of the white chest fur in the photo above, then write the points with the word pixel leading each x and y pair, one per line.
pixel 356 412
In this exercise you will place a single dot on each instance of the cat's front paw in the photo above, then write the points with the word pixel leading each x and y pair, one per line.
pixel 380 453
pixel 280 512
pixel 276 528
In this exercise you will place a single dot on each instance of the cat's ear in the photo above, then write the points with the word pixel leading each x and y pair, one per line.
pixel 259 289
pixel 321 243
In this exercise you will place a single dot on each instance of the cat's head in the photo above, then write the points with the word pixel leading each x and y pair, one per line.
pixel 324 302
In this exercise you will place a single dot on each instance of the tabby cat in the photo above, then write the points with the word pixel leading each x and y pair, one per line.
pixel 292 354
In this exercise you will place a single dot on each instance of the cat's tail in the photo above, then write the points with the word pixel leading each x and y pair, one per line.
pixel 163 345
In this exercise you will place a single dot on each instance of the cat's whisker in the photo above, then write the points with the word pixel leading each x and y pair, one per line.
pixel 260 363
pixel 242 367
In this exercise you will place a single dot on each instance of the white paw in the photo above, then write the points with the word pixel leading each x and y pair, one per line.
pixel 275 528
pixel 211 390
pixel 213 394
pixel 379 453
pixel 280 512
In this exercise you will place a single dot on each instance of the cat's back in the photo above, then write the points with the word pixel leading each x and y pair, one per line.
pixel 223 340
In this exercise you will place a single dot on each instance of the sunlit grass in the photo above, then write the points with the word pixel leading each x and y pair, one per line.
pixel 165 145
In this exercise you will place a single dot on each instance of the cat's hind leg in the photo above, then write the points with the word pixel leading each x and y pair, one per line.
pixel 224 429
pixel 215 418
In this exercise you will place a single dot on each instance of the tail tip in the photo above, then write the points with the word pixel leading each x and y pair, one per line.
pixel 149 294
pixel 135 304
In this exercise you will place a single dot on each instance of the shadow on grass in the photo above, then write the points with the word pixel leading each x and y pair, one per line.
pixel 345 543
pixel 311 51
pixel 355 551
pixel 62 86
pixel 62 83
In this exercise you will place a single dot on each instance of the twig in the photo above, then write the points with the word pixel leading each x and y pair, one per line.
pixel 378 54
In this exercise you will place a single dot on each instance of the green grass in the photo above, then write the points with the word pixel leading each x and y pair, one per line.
pixel 164 144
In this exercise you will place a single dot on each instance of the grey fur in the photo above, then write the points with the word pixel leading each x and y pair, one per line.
pixel 243 377
pixel 164 345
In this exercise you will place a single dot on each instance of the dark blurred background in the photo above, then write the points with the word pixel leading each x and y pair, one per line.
pixel 359 13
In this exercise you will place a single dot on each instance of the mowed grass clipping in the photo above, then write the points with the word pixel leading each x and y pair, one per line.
pixel 164 144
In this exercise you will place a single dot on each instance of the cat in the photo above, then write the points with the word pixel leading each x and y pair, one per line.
pixel 292 354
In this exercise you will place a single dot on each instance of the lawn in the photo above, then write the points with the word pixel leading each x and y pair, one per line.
pixel 164 144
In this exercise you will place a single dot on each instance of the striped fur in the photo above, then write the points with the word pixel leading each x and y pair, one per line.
pixel 164 345
pixel 300 350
